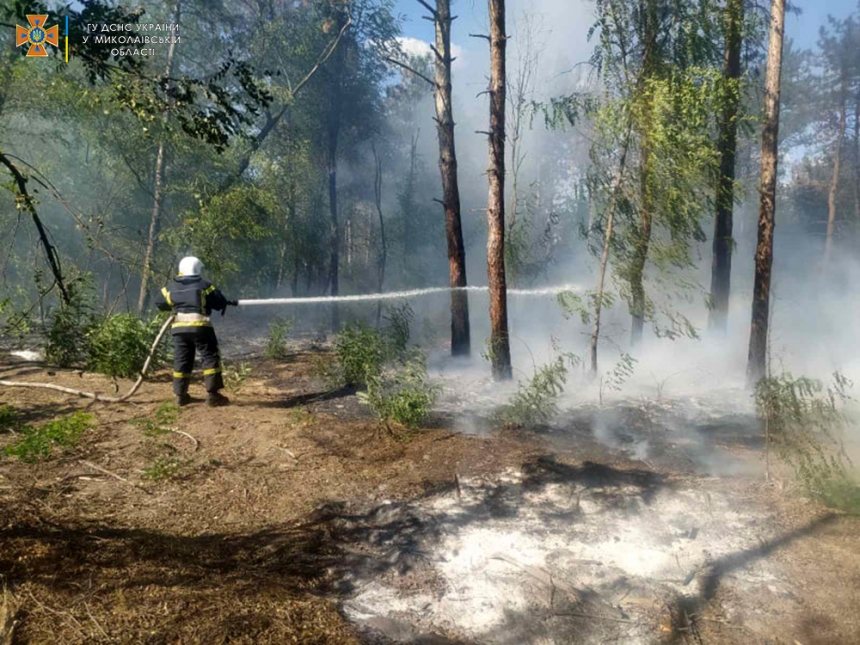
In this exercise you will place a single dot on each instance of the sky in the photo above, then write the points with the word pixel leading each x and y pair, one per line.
pixel 571 19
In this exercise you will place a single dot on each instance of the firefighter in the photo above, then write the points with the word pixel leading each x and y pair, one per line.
pixel 194 299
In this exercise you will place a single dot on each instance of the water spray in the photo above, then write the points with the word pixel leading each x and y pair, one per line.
pixel 399 295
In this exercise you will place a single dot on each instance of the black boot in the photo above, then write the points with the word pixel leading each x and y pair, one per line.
pixel 217 400
pixel 183 399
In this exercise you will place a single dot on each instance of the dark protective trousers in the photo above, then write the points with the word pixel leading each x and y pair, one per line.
pixel 204 341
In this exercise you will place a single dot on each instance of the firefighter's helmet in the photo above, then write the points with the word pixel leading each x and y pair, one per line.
pixel 190 266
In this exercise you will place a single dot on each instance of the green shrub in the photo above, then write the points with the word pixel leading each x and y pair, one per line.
pixel 69 325
pixel 236 375
pixel 361 352
pixel 396 333
pixel 120 344
pixel 8 418
pixel 803 423
pixel 404 396
pixel 276 344
pixel 536 400
pixel 37 443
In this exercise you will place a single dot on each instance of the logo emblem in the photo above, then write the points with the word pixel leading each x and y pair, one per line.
pixel 37 35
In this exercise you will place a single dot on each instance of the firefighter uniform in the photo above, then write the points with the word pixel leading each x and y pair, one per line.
pixel 193 299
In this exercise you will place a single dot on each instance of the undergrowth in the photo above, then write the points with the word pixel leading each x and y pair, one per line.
pixel 37 444
pixel 119 345
pixel 276 343
pixel 164 468
pixel 804 422
pixel 8 418
pixel 236 375
pixel 402 396
pixel 362 351
pixel 536 400
pixel 161 422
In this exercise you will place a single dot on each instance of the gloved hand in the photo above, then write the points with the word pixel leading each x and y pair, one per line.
pixel 231 303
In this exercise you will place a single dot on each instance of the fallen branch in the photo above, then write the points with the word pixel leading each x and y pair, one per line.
pixel 95 395
pixel 105 471
pixel 541 575
pixel 8 618
pixel 185 434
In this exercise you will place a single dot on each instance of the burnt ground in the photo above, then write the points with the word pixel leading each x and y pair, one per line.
pixel 264 521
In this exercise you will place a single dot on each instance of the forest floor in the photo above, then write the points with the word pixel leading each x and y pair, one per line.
pixel 289 517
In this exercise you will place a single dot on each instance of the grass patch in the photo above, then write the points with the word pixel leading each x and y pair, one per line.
pixel 164 468
pixel 8 418
pixel 37 444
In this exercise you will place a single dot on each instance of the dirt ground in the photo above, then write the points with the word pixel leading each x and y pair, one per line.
pixel 258 523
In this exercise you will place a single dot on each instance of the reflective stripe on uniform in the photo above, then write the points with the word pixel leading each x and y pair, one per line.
pixel 166 295
pixel 194 323
pixel 210 372
pixel 181 375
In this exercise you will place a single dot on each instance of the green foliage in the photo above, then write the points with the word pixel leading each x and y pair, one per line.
pixel 618 375
pixel 276 343
pixel 235 376
pixel 37 444
pixel 803 425
pixel 8 418
pixel 403 396
pixel 397 331
pixel 120 344
pixel 361 352
pixel 536 400
pixel 69 326
pixel 164 468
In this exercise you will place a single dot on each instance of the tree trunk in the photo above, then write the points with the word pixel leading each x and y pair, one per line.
pixel 604 260
pixel 837 165
pixel 333 132
pixel 460 332
pixel 646 206
pixel 383 244
pixel 500 349
pixel 158 189
pixel 757 363
pixel 857 161
pixel 721 264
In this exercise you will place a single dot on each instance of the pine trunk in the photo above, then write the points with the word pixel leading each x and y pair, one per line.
pixel 499 342
pixel 757 363
pixel 460 332
pixel 837 166
pixel 721 266
pixel 158 189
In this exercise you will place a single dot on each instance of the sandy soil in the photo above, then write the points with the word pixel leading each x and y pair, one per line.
pixel 292 519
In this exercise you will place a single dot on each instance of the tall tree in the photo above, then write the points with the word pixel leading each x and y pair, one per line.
pixel 158 182
pixel 838 50
pixel 500 349
pixel 757 360
pixel 442 88
pixel 721 263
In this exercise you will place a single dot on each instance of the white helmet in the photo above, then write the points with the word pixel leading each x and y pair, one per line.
pixel 190 266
